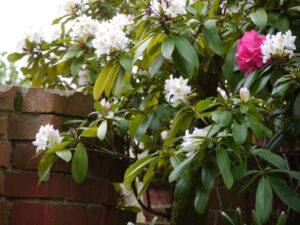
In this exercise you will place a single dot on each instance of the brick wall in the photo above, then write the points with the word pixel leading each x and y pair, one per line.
pixel 60 201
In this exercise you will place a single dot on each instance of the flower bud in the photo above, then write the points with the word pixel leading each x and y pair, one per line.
pixel 245 95
pixel 164 134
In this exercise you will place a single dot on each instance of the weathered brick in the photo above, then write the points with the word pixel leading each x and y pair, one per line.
pixel 56 101
pixel 25 185
pixel 160 194
pixel 29 213
pixel 5 152
pixel 3 125
pixel 25 126
pixel 107 166
pixel 119 217
pixel 7 97
pixel 98 190
pixel 3 206
pixel 96 216
pixel 23 159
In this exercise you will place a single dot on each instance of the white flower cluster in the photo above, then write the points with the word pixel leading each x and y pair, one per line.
pixel 171 8
pixel 190 141
pixel 69 7
pixel 32 34
pixel 46 138
pixel 84 28
pixel 83 77
pixel 110 36
pixel 177 89
pixel 278 45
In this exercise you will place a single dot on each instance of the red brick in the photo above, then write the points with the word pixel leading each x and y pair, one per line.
pixel 119 217
pixel 107 166
pixel 23 159
pixel 96 216
pixel 7 97
pixel 5 152
pixel 25 127
pixel 3 206
pixel 56 101
pixel 2 183
pixel 28 213
pixel 3 125
pixel 25 185
pixel 98 190
pixel 160 194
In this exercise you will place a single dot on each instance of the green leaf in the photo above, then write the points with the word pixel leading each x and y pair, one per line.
pixel 179 170
pixel 225 166
pixel 167 47
pixel 259 84
pixel 102 129
pixel 255 218
pixel 163 112
pixel 227 219
pixel 44 167
pixel 264 200
pixel 208 176
pixel 90 132
pixel 65 155
pixel 13 57
pixel 240 189
pixel 110 79
pixel 79 163
pixel 141 48
pixel 281 219
pixel 204 105
pixel 222 118
pixel 272 158
pixel 255 125
pixel 294 174
pixel 296 109
pixel 286 193
pixel 185 67
pixel 201 199
pixel 186 50
pixel 126 62
pixel 212 37
pixel 76 65
pixel 182 188
pixel 238 216
pixel 282 23
pixel 239 132
pixel 260 18
pixel 59 147
pixel 136 168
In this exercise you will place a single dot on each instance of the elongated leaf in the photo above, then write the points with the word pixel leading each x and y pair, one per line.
pixel 260 18
pixel 272 158
pixel 294 174
pixel 222 118
pixel 242 187
pixel 185 67
pixel 186 50
pixel 286 193
pixel 256 220
pixel 179 170
pixel 225 166
pixel 139 51
pixel 182 188
pixel 227 219
pixel 296 110
pixel 102 129
pixel 208 176
pixel 281 219
pixel 44 167
pixel 212 37
pixel 65 155
pixel 167 47
pixel 76 65
pixel 13 57
pixel 110 80
pixel 239 132
pixel 201 199
pixel 79 163
pixel 136 168
pixel 90 132
pixel 255 125
pixel 264 200
pixel 126 62
pixel 59 147
pixel 204 105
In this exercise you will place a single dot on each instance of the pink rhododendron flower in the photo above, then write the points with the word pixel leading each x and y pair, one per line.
pixel 249 53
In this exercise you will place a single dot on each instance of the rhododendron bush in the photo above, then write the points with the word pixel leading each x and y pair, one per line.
pixel 197 93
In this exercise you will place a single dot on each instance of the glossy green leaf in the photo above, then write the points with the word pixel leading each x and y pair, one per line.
pixel 65 155
pixel 286 193
pixel 182 188
pixel 281 219
pixel 221 117
pixel 126 62
pixel 167 47
pixel 79 163
pixel 13 57
pixel 225 166
pixel 102 129
pixel 76 65
pixel 212 37
pixel 44 167
pixel 204 105
pixel 90 132
pixel 59 147
pixel 201 199
pixel 110 79
pixel 296 109
pixel 256 220
pixel 227 219
pixel 259 17
pixel 239 132
pixel 179 170
pixel 185 67
pixel 255 125
pixel 264 200
pixel 272 158
pixel 208 176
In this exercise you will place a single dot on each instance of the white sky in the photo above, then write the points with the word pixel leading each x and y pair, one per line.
pixel 17 15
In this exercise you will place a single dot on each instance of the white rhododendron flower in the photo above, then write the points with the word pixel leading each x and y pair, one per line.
pixel 106 105
pixel 171 8
pixel 121 20
pixel 83 77
pixel 223 6
pixel 245 94
pixel 278 45
pixel 110 37
pixel 190 141
pixel 47 138
pixel 84 28
pixel 32 34
pixel 177 89
pixel 69 7
pixel 53 33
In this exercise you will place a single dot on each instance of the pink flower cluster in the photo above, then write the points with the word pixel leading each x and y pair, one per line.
pixel 249 53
